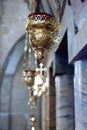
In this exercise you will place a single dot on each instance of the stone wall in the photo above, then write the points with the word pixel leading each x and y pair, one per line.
pixel 13 18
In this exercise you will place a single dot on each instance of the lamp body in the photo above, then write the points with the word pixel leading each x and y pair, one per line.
pixel 41 28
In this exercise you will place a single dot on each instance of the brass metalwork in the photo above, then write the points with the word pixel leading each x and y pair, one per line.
pixel 34 98
pixel 41 28
pixel 32 121
pixel 28 77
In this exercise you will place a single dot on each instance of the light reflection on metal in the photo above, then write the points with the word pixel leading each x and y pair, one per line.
pixel 42 34
pixel 42 28
pixel 28 77
pixel 33 122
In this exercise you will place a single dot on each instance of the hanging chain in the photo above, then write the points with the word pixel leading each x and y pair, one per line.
pixel 29 53
pixel 58 11
pixel 35 60
pixel 25 50
pixel 33 6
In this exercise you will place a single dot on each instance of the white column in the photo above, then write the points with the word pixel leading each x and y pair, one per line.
pixel 64 102
pixel 80 88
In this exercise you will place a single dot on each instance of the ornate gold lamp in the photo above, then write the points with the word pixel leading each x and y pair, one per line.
pixel 41 28
pixel 41 34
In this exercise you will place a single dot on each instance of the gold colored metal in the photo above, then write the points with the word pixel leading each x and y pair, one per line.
pixel 34 98
pixel 28 77
pixel 41 28
pixel 33 6
pixel 33 121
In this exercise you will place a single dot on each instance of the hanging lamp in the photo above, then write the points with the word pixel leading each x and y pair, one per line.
pixel 41 27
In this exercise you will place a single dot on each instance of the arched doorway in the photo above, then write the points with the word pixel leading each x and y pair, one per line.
pixel 14 95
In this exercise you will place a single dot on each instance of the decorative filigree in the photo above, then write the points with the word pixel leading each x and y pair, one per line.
pixel 28 77
pixel 41 28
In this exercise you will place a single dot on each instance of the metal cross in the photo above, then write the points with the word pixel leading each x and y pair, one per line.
pixel 41 69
